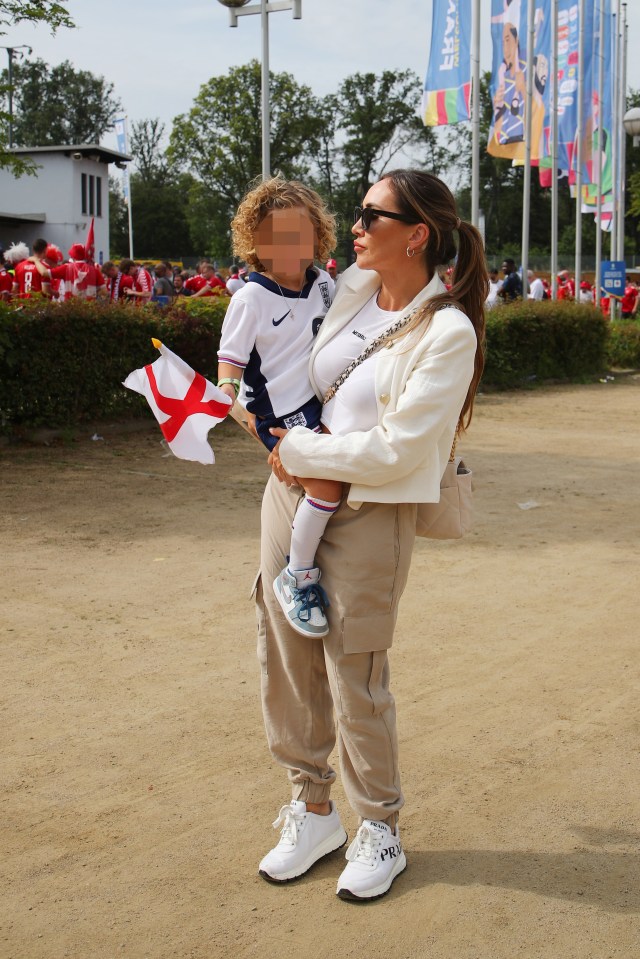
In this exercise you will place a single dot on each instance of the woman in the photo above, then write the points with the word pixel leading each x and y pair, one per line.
pixel 391 425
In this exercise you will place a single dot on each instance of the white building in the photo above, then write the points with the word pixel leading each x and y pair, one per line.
pixel 70 187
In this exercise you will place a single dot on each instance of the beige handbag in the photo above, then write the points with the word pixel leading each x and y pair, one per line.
pixel 452 516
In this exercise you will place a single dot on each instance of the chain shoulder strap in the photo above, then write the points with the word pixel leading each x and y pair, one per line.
pixel 366 353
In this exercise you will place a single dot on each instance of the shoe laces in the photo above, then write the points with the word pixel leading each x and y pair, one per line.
pixel 290 823
pixel 365 846
pixel 310 597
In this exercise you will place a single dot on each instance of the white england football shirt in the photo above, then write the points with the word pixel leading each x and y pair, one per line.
pixel 268 332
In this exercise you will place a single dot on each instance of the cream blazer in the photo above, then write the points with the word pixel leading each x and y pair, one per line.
pixel 421 382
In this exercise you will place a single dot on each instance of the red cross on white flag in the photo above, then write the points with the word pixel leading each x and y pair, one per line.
pixel 185 404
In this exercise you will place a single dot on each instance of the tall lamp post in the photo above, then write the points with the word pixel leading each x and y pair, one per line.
pixel 11 52
pixel 238 8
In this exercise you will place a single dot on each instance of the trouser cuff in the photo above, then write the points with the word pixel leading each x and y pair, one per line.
pixel 311 792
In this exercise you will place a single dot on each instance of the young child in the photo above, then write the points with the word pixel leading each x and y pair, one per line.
pixel 266 341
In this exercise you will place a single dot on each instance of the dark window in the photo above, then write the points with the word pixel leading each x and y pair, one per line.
pixel 92 194
pixel 98 196
pixel 84 192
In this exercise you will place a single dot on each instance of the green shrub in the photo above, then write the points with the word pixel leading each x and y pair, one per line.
pixel 546 340
pixel 63 364
pixel 623 349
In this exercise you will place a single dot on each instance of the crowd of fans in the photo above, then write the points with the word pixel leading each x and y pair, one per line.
pixel 43 271
pixel 509 288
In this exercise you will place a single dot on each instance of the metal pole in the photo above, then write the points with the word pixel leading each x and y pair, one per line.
pixel 526 186
pixel 623 138
pixel 10 55
pixel 554 151
pixel 266 146
pixel 475 114
pixel 580 145
pixel 600 145
pixel 615 136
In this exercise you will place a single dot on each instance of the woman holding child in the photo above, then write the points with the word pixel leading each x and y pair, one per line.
pixel 384 437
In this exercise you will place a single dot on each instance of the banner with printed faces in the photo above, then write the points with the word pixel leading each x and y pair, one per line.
pixel 509 20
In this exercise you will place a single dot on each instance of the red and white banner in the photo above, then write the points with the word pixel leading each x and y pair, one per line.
pixel 90 245
pixel 185 404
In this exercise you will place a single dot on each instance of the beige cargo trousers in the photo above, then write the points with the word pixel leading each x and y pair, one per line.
pixel 364 557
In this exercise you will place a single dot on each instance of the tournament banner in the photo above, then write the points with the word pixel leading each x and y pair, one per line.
pixel 447 88
pixel 508 79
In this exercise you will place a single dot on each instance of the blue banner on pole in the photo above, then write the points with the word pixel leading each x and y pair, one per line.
pixel 614 277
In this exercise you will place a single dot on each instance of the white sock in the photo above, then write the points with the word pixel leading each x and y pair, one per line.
pixel 308 529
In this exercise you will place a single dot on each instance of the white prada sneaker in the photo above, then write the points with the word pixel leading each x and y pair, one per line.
pixel 375 859
pixel 305 838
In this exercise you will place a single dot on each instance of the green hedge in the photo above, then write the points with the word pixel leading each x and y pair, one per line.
pixel 530 341
pixel 624 345
pixel 63 364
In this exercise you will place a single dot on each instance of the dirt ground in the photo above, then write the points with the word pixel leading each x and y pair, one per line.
pixel 137 791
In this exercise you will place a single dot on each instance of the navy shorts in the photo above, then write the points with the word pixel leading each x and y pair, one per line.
pixel 308 415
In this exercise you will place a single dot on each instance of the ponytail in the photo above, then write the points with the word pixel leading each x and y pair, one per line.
pixel 426 197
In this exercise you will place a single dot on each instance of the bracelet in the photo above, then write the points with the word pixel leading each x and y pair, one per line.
pixel 234 383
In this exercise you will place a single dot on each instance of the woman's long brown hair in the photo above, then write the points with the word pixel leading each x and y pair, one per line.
pixel 426 197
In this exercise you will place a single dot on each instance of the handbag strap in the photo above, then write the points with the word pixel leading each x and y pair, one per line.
pixel 369 351
pixel 366 353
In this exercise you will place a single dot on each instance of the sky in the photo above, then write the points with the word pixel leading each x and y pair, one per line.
pixel 158 54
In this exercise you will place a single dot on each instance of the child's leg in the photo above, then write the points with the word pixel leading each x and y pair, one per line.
pixel 320 503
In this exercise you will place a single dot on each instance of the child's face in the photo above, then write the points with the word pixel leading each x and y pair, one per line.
pixel 285 241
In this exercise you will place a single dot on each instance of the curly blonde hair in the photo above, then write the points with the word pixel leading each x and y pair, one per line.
pixel 280 194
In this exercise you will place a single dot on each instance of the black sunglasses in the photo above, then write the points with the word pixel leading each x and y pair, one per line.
pixel 367 214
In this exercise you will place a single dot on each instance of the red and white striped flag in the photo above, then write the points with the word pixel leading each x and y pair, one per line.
pixel 185 404
pixel 90 245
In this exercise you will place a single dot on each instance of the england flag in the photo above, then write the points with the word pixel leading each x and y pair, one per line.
pixel 185 404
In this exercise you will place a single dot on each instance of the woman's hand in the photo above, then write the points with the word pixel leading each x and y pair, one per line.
pixel 274 459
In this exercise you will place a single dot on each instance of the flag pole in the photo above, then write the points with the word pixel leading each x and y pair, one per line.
pixel 580 145
pixel 475 113
pixel 600 153
pixel 129 210
pixel 615 144
pixel 554 151
pixel 623 139
pixel 526 185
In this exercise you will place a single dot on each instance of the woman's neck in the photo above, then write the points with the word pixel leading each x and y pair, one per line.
pixel 397 291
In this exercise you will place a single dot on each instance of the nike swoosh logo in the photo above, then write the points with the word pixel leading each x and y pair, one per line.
pixel 278 322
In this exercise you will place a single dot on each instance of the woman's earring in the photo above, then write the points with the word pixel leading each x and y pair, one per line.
pixel 410 253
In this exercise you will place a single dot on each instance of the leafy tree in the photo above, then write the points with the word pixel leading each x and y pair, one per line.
pixel 159 195
pixel 118 220
pixel 220 142
pixel 59 105
pixel 19 11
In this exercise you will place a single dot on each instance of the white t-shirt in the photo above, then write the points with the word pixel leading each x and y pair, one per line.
pixel 536 289
pixel 354 407
pixel 269 332
pixel 234 283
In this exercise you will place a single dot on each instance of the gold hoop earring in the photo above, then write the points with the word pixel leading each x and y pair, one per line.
pixel 410 253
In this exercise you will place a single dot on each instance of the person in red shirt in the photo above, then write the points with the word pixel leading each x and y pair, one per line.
pixel 78 277
pixel 32 275
pixel 566 286
pixel 52 259
pixel 142 288
pixel 207 283
pixel 629 302
pixel 6 280
pixel 117 282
